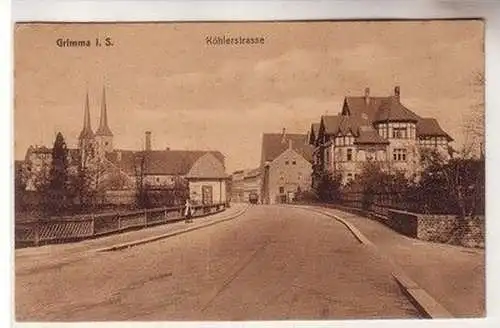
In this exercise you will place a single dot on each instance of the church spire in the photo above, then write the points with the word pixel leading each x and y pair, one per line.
pixel 87 132
pixel 104 129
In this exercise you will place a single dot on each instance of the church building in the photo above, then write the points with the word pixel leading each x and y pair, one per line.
pixel 117 170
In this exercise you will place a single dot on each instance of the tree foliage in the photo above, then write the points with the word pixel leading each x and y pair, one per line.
pixel 327 186
pixel 56 193
pixel 375 180
pixel 456 186
pixel 87 180
pixel 142 197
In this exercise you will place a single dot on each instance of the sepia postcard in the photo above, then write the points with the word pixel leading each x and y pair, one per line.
pixel 249 171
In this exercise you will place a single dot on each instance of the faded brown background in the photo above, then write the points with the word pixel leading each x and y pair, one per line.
pixel 164 78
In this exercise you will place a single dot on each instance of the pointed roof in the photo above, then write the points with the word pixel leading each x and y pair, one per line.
pixel 252 173
pixel 104 129
pixel 367 135
pixel 392 110
pixel 274 144
pixel 363 107
pixel 429 127
pixel 313 134
pixel 160 162
pixel 330 123
pixel 86 132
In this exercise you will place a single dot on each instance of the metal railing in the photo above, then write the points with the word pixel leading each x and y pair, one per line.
pixel 67 229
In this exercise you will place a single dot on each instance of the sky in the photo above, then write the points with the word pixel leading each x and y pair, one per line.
pixel 164 78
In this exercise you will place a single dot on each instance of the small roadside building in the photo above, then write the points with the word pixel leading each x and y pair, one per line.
pixel 202 172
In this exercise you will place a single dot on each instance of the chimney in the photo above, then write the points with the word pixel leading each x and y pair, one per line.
pixel 289 143
pixel 367 96
pixel 148 141
pixel 283 135
pixel 396 92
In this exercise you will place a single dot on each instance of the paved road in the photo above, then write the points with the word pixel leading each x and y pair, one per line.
pixel 271 263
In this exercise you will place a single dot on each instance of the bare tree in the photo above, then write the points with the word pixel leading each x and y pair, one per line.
pixel 140 181
pixel 474 127
pixel 88 183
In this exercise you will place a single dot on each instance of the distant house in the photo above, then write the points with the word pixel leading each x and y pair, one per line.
pixel 286 166
pixel 379 129
pixel 245 182
pixel 252 184
pixel 237 186
pixel 35 166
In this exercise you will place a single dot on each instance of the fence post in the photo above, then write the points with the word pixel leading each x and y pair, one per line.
pixel 36 238
pixel 93 224
pixel 145 218
pixel 119 221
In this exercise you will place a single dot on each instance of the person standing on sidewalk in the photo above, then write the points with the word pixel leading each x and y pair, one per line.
pixel 188 211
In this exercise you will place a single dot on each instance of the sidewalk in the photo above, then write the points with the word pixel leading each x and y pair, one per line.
pixel 453 275
pixel 48 256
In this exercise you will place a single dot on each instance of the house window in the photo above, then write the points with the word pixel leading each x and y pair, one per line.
pixel 287 162
pixel 399 133
pixel 349 154
pixel 412 131
pixel 157 179
pixel 294 162
pixel 399 154
pixel 282 190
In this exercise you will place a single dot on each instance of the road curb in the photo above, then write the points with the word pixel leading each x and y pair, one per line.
pixel 167 235
pixel 424 302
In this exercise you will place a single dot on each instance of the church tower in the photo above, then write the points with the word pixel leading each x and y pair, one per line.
pixel 103 135
pixel 86 138
pixel 86 135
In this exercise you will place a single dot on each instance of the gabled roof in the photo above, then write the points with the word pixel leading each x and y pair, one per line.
pixel 330 123
pixel 350 124
pixel 73 153
pixel 375 109
pixel 252 173
pixel 391 109
pixel 362 107
pixel 368 135
pixel 159 162
pixel 430 127
pixel 313 133
pixel 274 144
